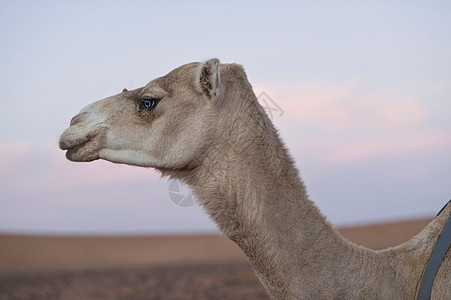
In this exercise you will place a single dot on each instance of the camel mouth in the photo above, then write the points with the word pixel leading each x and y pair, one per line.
pixel 80 149
pixel 68 144
pixel 86 151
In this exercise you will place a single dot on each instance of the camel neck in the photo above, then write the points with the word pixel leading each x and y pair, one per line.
pixel 248 184
pixel 258 200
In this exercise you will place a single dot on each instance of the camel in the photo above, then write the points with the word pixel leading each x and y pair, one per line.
pixel 202 124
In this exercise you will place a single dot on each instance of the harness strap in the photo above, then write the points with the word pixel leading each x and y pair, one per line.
pixel 438 254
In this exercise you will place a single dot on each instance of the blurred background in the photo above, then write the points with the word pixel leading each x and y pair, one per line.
pixel 360 92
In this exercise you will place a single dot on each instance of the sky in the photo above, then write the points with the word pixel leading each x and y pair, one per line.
pixel 360 92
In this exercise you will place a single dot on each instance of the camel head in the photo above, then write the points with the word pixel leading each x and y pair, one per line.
pixel 164 124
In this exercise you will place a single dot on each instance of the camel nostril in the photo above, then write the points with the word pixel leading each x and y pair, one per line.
pixel 77 118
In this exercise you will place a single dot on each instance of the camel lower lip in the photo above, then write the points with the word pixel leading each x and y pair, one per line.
pixel 84 152
pixel 72 152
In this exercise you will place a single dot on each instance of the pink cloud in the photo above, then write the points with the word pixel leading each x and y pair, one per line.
pixel 11 153
pixel 43 166
pixel 389 145
pixel 354 124
pixel 342 106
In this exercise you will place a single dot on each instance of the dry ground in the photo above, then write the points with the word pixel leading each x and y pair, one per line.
pixel 166 267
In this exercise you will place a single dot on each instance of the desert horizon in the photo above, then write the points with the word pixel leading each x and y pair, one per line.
pixel 204 266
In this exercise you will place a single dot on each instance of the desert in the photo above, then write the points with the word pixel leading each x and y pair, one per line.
pixel 149 267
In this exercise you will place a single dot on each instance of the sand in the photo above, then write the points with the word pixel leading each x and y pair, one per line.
pixel 148 267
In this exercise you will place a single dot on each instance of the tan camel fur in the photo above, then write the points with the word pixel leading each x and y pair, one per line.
pixel 202 124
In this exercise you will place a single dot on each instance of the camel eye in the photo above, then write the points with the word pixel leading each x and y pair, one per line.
pixel 148 104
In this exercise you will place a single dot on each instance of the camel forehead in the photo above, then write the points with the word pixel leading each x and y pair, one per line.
pixel 184 70
pixel 154 89
pixel 180 77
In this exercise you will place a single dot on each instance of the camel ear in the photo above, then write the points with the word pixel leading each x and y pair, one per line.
pixel 207 78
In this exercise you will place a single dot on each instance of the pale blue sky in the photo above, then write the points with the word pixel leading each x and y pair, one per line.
pixel 364 88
